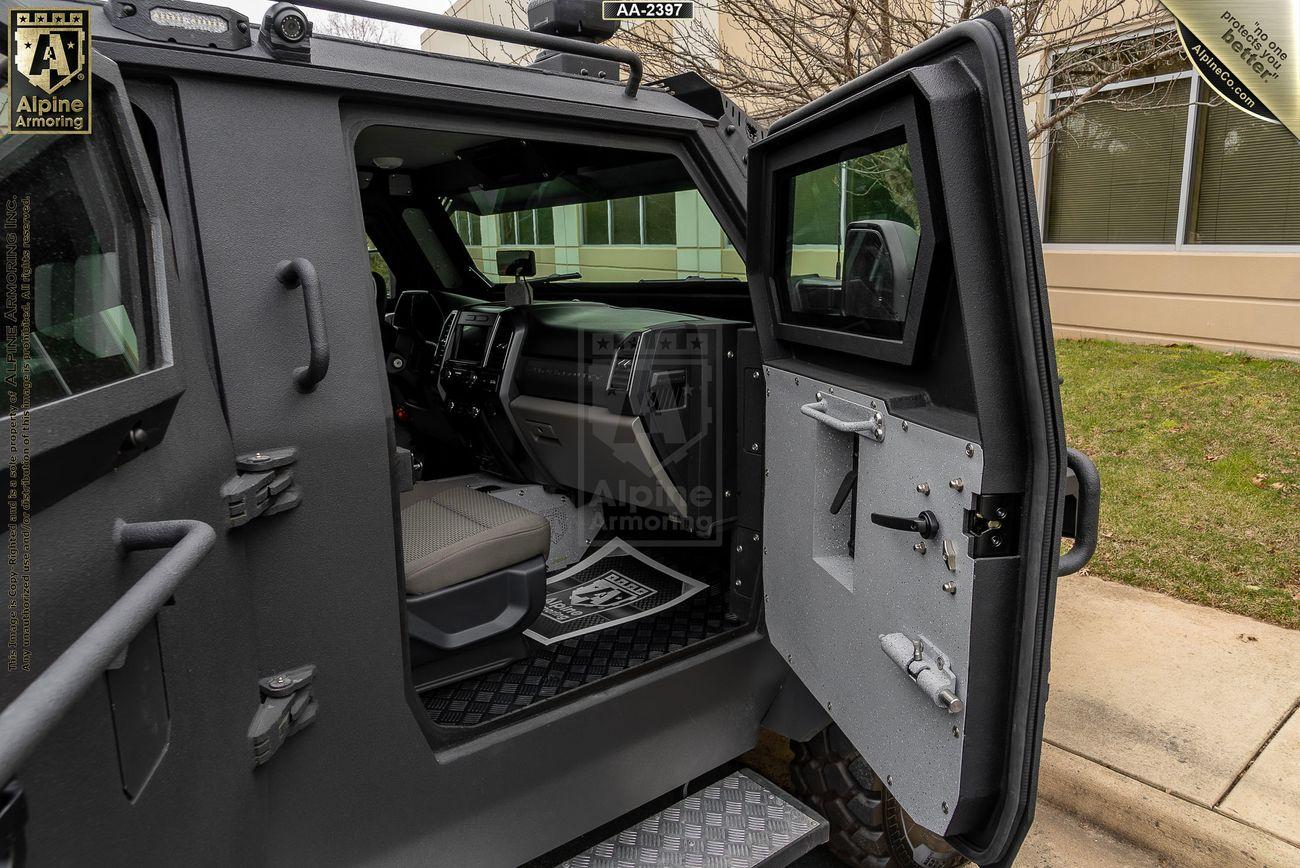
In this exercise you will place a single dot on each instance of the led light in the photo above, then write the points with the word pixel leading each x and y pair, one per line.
pixel 183 19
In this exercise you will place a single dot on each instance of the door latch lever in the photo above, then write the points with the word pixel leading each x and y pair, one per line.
pixel 926 524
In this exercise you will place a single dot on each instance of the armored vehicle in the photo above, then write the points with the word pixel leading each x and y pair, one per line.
pixel 417 459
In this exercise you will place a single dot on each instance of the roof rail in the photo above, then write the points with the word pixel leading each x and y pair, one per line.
pixel 483 30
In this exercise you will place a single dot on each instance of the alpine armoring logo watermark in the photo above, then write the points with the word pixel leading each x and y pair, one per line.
pixel 49 71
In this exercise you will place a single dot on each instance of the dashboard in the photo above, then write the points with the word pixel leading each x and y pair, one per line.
pixel 632 405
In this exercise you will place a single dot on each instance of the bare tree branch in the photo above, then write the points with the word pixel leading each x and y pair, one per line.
pixel 358 28
pixel 772 56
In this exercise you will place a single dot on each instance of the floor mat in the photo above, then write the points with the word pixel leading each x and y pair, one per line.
pixel 557 669
pixel 613 586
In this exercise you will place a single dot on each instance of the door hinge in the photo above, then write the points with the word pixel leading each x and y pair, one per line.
pixel 262 485
pixel 993 525
pixel 928 667
pixel 288 706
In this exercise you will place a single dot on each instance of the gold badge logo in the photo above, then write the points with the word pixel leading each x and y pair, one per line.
pixel 49 74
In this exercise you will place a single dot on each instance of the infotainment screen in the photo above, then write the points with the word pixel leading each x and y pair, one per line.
pixel 471 343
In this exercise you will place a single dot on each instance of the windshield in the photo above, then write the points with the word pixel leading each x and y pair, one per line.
pixel 590 213
pixel 657 236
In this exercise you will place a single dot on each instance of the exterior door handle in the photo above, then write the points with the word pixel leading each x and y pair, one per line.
pixel 26 720
pixel 300 272
pixel 1086 513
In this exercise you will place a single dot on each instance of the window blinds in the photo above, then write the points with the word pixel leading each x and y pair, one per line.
pixel 1249 190
pixel 1115 168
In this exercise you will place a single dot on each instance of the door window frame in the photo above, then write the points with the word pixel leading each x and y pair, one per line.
pixel 80 437
pixel 845 131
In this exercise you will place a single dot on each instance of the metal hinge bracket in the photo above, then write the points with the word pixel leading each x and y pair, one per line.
pixel 288 706
pixel 262 485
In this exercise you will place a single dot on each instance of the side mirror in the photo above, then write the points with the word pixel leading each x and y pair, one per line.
pixel 879 258
pixel 516 263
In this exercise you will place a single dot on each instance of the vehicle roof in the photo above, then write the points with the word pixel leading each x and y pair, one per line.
pixel 331 54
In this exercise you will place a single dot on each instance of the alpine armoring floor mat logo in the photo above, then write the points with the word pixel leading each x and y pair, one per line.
pixel 614 585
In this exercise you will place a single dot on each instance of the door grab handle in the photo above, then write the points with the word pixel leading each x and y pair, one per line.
pixel 300 272
pixel 1087 510
pixel 872 427
pixel 30 717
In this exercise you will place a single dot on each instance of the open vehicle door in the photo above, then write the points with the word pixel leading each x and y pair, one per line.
pixel 129 678
pixel 914 445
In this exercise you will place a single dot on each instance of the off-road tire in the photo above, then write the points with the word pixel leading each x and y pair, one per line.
pixel 869 829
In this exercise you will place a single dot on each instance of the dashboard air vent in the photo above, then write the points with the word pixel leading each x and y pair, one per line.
pixel 445 335
pixel 620 368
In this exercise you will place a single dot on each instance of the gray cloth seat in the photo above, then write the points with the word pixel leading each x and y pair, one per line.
pixel 451 533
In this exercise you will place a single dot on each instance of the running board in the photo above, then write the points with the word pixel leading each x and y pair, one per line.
pixel 742 821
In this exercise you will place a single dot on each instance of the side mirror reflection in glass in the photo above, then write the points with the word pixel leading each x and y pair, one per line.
pixel 879 258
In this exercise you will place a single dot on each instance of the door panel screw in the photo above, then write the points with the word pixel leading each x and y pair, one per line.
pixel 950 587
pixel 970 450
pixel 923 488
pixel 919 548
pixel 956 485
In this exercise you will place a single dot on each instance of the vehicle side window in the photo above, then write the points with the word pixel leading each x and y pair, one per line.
pixel 851 245
pixel 81 234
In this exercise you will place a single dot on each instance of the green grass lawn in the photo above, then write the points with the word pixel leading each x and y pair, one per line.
pixel 1199 454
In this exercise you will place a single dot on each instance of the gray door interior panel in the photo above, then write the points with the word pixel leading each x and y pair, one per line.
pixel 838 616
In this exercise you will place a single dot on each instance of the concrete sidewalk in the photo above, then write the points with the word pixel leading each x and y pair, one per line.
pixel 1174 726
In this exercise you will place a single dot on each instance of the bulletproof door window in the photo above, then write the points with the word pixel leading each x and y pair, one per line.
pixel 88 323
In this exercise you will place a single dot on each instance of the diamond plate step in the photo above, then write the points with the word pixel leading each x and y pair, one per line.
pixel 742 821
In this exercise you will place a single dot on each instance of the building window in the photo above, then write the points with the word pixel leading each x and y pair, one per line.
pixel 635 220
pixel 1116 167
pixel 527 228
pixel 1248 183
pixel 469 227
pixel 1119 172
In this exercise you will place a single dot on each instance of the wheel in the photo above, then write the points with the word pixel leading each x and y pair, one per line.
pixel 869 829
